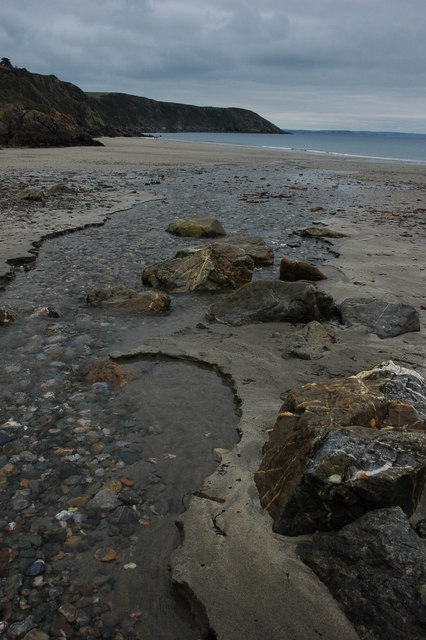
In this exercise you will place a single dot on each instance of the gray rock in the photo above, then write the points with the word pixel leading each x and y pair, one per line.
pixel 272 301
pixel 196 227
pixel 255 247
pixel 312 342
pixel 19 629
pixel 219 266
pixel 104 500
pixel 376 570
pixel 384 318
pixel 351 471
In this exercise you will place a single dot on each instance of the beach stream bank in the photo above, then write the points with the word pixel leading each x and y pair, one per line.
pixel 183 398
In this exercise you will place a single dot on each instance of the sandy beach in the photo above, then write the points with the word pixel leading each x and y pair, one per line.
pixel 243 580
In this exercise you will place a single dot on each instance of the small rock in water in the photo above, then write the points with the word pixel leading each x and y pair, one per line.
pixel 36 569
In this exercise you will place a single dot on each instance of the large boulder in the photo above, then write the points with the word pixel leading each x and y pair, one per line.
pixel 122 297
pixel 255 247
pixel 376 570
pixel 272 301
pixel 338 449
pixel 384 318
pixel 197 227
pixel 293 270
pixel 219 266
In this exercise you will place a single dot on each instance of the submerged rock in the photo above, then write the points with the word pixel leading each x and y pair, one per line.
pixel 293 270
pixel 376 570
pixel 197 227
pixel 384 318
pixel 219 266
pixel 272 301
pixel 122 297
pixel 338 449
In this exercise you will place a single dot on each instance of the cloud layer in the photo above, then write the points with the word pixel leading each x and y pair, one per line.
pixel 352 64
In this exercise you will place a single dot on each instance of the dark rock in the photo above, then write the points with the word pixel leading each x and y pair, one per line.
pixel 254 247
pixel 197 227
pixel 272 301
pixel 312 342
pixel 219 266
pixel 123 515
pixel 350 471
pixel 293 270
pixel 122 297
pixel 338 449
pixel 382 317
pixel 376 570
pixel 319 232
pixel 36 568
pixel 19 629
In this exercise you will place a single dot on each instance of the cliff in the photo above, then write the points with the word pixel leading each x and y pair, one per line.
pixel 38 110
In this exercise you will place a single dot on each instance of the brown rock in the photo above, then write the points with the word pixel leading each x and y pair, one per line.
pixel 196 227
pixel 121 297
pixel 319 232
pixel 7 316
pixel 337 450
pixel 219 266
pixel 293 270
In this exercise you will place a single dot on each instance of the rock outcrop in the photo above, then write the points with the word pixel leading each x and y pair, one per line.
pixel 376 569
pixel 219 266
pixel 293 270
pixel 197 227
pixel 38 110
pixel 384 318
pixel 272 301
pixel 339 449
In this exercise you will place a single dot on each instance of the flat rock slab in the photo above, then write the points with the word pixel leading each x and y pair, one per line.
pixel 272 301
pixel 122 297
pixel 376 569
pixel 293 270
pixel 219 266
pixel 385 319
pixel 196 227
pixel 312 342
pixel 255 247
pixel 338 449
pixel 319 232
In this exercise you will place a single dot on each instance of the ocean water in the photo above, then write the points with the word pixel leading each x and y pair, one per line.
pixel 385 146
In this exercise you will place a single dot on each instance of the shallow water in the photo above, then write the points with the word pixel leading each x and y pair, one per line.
pixel 158 431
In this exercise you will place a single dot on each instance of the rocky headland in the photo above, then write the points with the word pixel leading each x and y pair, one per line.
pixel 43 111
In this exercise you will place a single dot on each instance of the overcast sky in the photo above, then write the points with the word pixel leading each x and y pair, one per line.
pixel 304 64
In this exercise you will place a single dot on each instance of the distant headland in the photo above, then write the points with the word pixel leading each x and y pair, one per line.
pixel 43 111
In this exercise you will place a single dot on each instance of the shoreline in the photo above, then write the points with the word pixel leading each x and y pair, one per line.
pixel 241 579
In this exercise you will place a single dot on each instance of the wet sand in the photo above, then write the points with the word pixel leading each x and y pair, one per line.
pixel 245 581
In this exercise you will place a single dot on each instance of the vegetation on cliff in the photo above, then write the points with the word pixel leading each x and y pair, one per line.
pixel 38 110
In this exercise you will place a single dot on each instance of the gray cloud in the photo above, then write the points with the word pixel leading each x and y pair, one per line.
pixel 356 64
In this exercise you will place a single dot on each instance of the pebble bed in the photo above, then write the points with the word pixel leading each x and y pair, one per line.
pixel 94 472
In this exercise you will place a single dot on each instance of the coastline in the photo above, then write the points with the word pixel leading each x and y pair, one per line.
pixel 243 580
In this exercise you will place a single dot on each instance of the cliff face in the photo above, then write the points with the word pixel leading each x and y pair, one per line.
pixel 37 110
pixel 132 115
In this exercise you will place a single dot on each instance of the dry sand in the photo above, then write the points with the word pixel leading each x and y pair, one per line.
pixel 249 582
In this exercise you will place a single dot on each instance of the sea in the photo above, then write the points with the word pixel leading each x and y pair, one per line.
pixel 404 147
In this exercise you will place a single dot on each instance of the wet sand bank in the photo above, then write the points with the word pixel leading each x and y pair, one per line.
pixel 244 580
